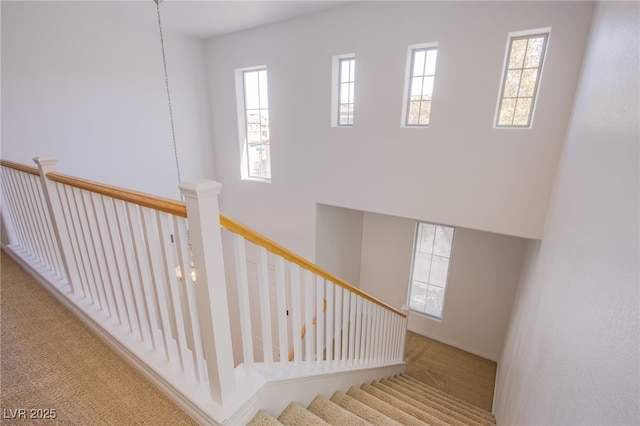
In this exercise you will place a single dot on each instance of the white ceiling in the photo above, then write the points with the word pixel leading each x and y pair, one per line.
pixel 196 18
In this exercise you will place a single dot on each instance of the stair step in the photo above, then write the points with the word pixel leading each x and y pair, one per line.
pixel 441 399
pixel 398 400
pixel 361 410
pixel 384 407
pixel 407 408
pixel 431 390
pixel 412 394
pixel 295 415
pixel 262 418
pixel 334 414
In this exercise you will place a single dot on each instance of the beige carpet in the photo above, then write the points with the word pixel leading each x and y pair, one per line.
pixel 51 361
pixel 399 400
pixel 456 372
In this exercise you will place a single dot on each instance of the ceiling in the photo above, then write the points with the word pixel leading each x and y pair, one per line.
pixel 197 18
pixel 206 19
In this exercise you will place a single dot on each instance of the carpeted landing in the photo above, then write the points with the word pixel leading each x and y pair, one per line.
pixel 399 400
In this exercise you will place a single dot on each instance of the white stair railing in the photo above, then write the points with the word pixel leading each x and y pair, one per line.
pixel 279 294
pixel 148 275
pixel 146 271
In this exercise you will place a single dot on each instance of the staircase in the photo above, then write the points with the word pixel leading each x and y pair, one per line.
pixel 398 400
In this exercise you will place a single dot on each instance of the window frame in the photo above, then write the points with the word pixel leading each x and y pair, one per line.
pixel 411 49
pixel 336 64
pixel 243 123
pixel 428 284
pixel 511 37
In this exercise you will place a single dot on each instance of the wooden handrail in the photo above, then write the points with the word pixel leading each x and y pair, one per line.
pixel 21 167
pixel 145 200
pixel 179 209
pixel 276 248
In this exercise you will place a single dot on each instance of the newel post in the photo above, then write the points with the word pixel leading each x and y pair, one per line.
pixel 203 217
pixel 56 213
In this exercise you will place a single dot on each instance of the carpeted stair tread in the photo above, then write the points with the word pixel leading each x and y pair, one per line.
pixel 384 408
pixel 456 413
pixel 295 415
pixel 334 414
pixel 430 389
pixel 397 400
pixel 262 418
pixel 407 408
pixel 442 399
pixel 362 410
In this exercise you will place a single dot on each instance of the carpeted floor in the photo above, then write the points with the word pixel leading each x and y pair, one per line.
pixel 459 373
pixel 51 361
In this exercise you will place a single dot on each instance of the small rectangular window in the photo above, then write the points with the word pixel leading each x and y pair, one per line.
pixel 421 73
pixel 521 78
pixel 344 76
pixel 430 268
pixel 253 118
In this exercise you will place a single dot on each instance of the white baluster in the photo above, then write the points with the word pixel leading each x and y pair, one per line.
pixel 192 323
pixel 282 311
pixel 108 267
pixel 345 325
pixel 337 324
pixel 136 224
pixel 132 292
pixel 329 316
pixel 85 243
pixel 154 240
pixel 357 357
pixel 320 301
pixel 369 310
pixel 95 251
pixel 352 328
pixel 244 306
pixel 116 263
pixel 308 312
pixel 170 305
pixel 295 305
pixel 265 308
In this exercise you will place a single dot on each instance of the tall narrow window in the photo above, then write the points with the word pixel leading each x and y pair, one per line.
pixel 521 79
pixel 419 88
pixel 344 77
pixel 430 268
pixel 253 116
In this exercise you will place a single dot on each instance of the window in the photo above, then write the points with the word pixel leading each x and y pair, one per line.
pixel 344 75
pixel 421 72
pixel 253 118
pixel 430 268
pixel 521 79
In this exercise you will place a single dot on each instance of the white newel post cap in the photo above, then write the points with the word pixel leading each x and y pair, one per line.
pixel 46 161
pixel 201 188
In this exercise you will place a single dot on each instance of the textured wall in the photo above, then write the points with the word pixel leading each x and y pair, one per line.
pixel 573 352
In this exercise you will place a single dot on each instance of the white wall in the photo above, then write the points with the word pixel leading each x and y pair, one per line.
pixel 339 241
pixel 459 171
pixel 387 249
pixel 79 87
pixel 573 351
pixel 483 277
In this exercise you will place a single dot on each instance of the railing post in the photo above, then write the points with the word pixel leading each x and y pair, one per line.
pixel 203 217
pixel 56 213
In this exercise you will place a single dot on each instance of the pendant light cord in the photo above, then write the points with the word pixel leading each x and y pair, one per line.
pixel 166 80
